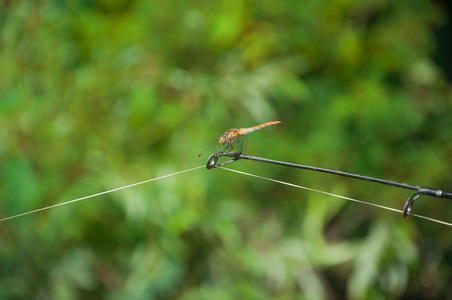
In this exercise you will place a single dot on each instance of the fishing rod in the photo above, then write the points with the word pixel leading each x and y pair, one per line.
pixel 213 159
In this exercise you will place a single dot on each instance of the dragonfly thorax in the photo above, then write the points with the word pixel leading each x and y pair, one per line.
pixel 228 136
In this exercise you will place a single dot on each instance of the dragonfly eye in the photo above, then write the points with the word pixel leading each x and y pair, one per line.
pixel 222 140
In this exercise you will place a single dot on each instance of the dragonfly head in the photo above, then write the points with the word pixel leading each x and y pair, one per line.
pixel 222 140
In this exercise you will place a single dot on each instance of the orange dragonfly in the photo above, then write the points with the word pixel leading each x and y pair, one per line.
pixel 228 137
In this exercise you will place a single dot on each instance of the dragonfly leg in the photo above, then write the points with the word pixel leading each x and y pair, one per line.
pixel 239 146
pixel 230 147
pixel 227 148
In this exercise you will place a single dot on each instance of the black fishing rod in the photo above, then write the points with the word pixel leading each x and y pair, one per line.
pixel 212 161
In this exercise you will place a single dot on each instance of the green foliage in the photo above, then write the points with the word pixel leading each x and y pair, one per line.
pixel 98 95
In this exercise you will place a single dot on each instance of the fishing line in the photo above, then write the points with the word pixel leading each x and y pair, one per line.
pixel 334 195
pixel 98 194
pixel 231 170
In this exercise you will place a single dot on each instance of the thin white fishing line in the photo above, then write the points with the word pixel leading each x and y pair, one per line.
pixel 240 172
pixel 98 194
pixel 337 196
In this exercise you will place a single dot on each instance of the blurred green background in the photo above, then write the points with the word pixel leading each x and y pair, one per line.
pixel 95 95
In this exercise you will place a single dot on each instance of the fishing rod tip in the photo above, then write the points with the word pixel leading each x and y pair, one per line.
pixel 410 202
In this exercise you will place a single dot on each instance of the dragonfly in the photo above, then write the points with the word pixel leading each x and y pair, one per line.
pixel 230 136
